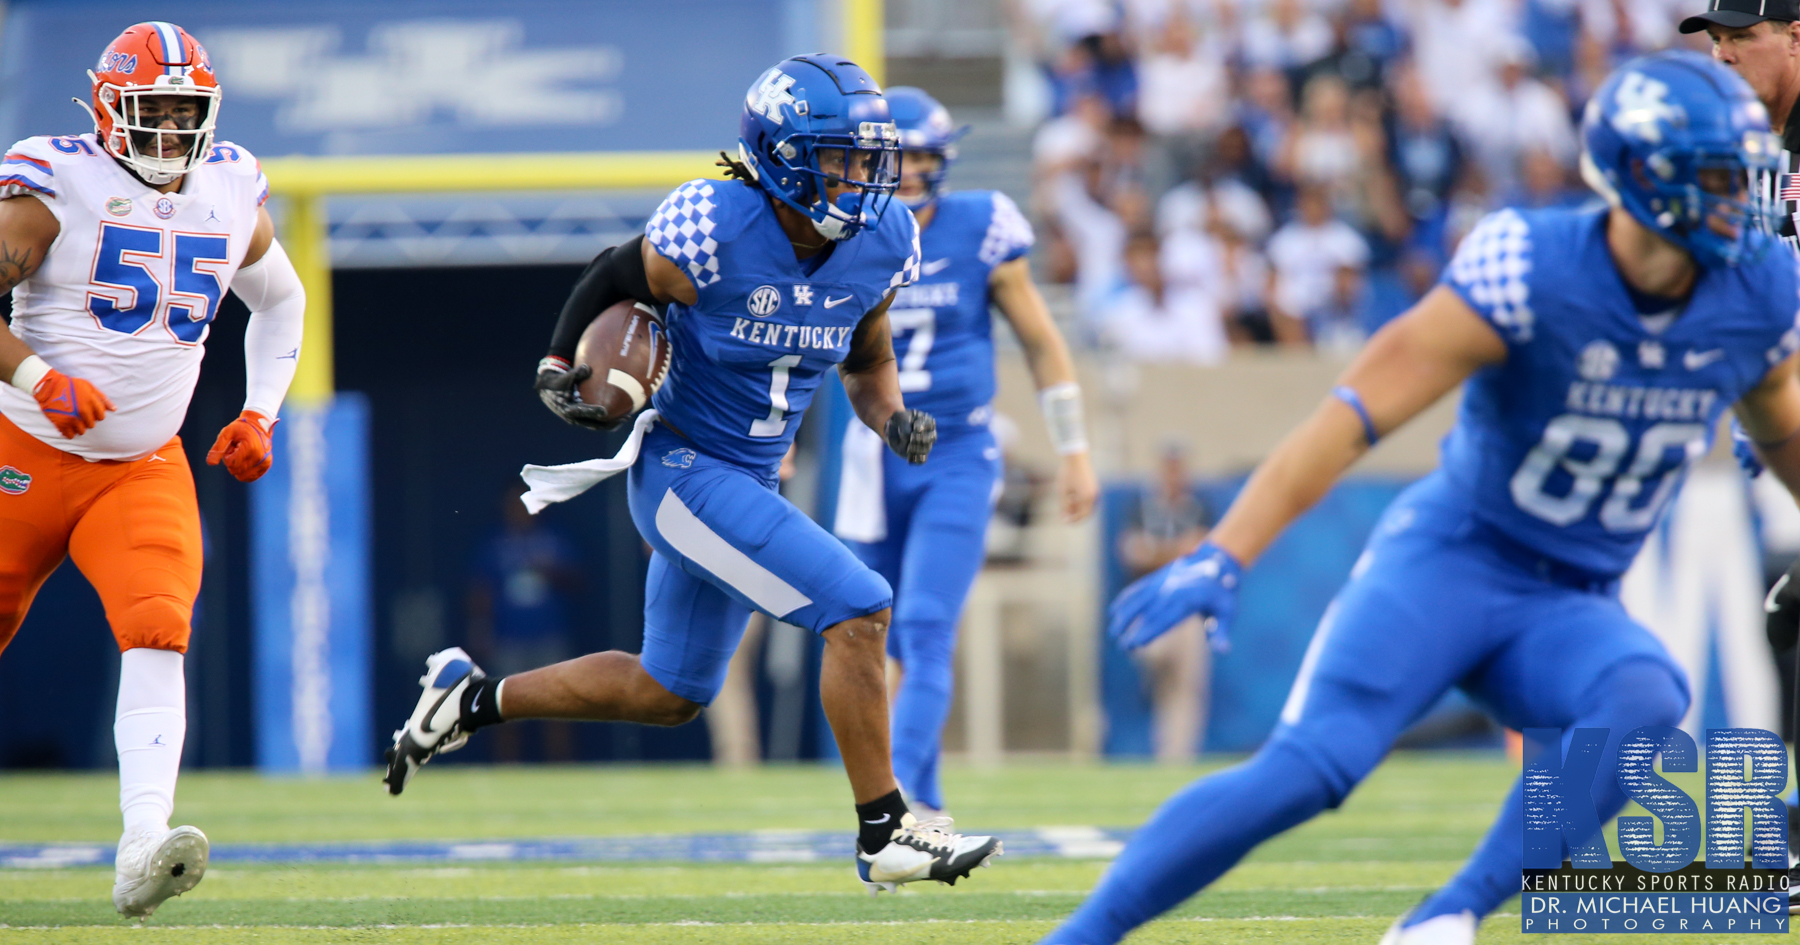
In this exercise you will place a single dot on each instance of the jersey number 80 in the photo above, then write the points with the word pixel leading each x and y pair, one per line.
pixel 1608 441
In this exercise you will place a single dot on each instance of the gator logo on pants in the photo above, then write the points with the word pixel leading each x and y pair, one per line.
pixel 14 482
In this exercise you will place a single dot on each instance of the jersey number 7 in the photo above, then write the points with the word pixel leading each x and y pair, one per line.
pixel 132 259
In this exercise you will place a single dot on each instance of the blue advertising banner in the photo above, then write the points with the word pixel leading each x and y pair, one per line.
pixel 416 77
pixel 309 534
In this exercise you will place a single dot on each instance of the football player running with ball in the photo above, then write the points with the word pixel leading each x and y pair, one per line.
pixel 770 279
pixel 1597 350
pixel 924 529
pixel 118 246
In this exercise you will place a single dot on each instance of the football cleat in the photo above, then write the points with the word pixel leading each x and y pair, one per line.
pixel 1451 928
pixel 153 865
pixel 436 723
pixel 923 850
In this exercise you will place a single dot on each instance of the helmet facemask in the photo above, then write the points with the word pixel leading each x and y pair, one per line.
pixel 159 131
pixel 867 164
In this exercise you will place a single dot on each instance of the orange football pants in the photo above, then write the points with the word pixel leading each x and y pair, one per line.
pixel 133 529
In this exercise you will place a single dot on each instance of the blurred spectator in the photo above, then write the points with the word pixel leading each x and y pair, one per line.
pixel 1516 114
pixel 1544 181
pixel 1316 282
pixel 521 600
pixel 1148 317
pixel 1284 35
pixel 1410 118
pixel 1458 46
pixel 1166 523
pixel 1185 99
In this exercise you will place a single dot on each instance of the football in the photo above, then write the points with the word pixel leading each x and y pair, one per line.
pixel 628 353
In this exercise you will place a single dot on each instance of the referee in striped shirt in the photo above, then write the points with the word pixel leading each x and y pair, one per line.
pixel 1760 40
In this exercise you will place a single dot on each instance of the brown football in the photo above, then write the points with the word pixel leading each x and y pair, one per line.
pixel 628 352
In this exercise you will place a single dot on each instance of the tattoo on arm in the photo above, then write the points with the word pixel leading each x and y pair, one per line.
pixel 16 265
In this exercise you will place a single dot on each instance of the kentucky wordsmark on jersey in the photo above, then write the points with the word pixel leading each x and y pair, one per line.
pixel 130 288
pixel 1575 444
pixel 942 332
pixel 748 356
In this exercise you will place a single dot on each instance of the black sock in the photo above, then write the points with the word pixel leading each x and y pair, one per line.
pixel 481 704
pixel 878 820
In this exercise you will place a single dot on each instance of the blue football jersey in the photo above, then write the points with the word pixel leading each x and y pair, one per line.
pixel 1575 444
pixel 942 333
pixel 747 357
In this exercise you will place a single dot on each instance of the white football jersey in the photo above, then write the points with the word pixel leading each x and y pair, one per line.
pixel 130 287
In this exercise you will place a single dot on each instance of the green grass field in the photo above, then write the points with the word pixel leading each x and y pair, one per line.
pixel 1341 878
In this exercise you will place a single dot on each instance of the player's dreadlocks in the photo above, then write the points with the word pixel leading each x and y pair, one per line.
pixel 735 169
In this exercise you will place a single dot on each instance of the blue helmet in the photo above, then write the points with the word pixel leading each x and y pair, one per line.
pixel 1650 130
pixel 925 125
pixel 813 107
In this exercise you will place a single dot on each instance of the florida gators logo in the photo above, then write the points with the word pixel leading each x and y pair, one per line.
pixel 14 481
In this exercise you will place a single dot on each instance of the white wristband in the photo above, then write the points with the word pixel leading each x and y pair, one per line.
pixel 29 372
pixel 1061 404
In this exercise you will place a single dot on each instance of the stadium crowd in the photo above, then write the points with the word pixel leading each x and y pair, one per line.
pixel 1216 173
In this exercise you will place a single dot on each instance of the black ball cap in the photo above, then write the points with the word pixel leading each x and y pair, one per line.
pixel 1738 14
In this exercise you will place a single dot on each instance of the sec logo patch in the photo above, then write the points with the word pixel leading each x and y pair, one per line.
pixel 764 301
pixel 118 206
pixel 14 481
pixel 165 208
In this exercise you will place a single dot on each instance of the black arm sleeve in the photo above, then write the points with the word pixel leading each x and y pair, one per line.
pixel 615 275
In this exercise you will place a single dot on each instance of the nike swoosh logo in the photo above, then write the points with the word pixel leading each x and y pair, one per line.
pixel 834 303
pixel 882 820
pixel 1695 360
pixel 1769 604
pixel 935 266
pixel 475 703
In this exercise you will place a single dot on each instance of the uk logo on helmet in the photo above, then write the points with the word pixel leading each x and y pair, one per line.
pixel 770 94
pixel 764 301
pixel 1643 102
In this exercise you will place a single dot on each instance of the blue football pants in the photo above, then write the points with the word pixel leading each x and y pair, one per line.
pixel 1436 601
pixel 937 516
pixel 725 543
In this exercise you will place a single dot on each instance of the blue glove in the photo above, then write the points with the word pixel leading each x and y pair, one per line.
pixel 1204 583
pixel 1742 448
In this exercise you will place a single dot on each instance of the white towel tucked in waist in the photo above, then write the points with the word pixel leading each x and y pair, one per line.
pixel 550 484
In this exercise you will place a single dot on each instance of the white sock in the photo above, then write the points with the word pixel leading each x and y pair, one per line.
pixel 148 731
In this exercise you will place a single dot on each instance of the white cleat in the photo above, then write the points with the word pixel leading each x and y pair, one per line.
pixel 436 723
pixel 153 866
pixel 1456 928
pixel 924 850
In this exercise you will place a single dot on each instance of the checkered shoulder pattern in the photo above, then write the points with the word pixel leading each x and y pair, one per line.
pixel 909 270
pixel 682 228
pixel 1490 268
pixel 1009 234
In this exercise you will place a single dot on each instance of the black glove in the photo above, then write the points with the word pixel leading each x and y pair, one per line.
pixel 912 433
pixel 556 388
pixel 1783 607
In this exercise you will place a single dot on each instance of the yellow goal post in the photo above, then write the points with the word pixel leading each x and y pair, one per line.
pixel 304 183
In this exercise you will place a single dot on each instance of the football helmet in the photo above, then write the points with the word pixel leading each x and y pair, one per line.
pixel 154 59
pixel 1655 125
pixel 924 125
pixel 817 121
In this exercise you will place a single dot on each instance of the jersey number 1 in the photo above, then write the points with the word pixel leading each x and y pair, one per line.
pixel 775 423
pixel 131 259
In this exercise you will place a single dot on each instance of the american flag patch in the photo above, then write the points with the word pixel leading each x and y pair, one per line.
pixel 1790 187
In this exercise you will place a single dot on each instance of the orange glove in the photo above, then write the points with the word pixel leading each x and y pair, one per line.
pixel 71 403
pixel 244 446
